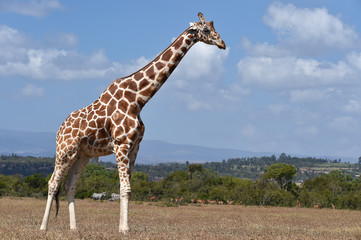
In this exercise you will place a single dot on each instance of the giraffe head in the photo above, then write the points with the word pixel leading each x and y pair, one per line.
pixel 205 32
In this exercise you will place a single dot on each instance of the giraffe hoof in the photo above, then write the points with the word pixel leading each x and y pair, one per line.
pixel 124 231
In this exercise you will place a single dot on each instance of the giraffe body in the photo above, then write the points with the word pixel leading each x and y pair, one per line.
pixel 112 124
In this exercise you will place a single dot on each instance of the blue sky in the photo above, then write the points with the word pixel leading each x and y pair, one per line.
pixel 289 81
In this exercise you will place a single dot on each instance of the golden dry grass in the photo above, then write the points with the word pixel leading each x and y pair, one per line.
pixel 21 218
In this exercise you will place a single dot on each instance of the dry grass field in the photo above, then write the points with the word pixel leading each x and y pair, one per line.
pixel 21 218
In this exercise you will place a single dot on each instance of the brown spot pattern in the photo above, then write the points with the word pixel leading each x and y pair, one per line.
pixel 159 65
pixel 143 84
pixel 150 73
pixel 132 85
pixel 178 43
pixel 130 96
pixel 138 76
pixel 112 89
pixel 105 97
pixel 118 94
pixel 167 55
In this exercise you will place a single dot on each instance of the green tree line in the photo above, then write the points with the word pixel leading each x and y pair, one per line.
pixel 275 187
pixel 250 167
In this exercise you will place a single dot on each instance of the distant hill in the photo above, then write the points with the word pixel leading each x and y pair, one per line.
pixel 42 144
pixel 154 151
pixel 38 144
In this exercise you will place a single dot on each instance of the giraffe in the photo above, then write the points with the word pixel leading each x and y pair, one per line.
pixel 112 123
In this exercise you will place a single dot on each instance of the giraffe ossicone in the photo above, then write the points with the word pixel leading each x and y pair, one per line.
pixel 112 124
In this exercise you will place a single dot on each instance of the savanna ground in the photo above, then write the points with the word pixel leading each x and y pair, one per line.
pixel 21 219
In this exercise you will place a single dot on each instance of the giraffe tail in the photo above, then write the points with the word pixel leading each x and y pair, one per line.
pixel 57 202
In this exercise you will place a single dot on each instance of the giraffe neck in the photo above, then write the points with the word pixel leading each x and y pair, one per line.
pixel 150 78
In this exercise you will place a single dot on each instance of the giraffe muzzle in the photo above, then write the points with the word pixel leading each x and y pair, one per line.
pixel 221 45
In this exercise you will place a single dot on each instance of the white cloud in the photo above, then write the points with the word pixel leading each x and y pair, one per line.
pixel 38 63
pixel 202 60
pixel 197 82
pixel 32 8
pixel 13 45
pixel 11 36
pixel 292 72
pixel 310 31
pixel 129 68
pixel 264 49
pixel 345 124
pixel 33 91
pixel 353 106
pixel 20 56
pixel 57 64
pixel 302 32
pixel 310 95
pixel 354 59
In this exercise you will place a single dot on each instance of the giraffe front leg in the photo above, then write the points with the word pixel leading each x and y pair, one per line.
pixel 123 162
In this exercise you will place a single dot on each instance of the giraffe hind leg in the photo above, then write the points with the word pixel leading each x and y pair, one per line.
pixel 70 185
pixel 53 191
pixel 54 186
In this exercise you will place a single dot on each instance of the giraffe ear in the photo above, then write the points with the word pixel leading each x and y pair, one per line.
pixel 211 24
pixel 202 19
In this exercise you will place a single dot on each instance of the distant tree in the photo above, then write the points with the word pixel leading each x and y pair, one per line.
pixel 35 185
pixel 3 187
pixel 96 178
pixel 282 173
pixel 177 176
pixel 218 193
pixel 136 176
pixel 141 187
pixel 194 168
pixel 283 157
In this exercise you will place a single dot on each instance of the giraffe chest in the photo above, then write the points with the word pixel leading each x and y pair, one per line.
pixel 97 142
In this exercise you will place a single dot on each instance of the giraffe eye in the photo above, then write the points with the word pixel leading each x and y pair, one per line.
pixel 206 31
